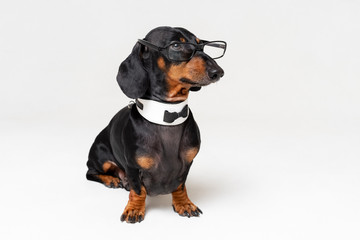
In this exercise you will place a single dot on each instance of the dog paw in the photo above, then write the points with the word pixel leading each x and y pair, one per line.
pixel 135 209
pixel 187 209
pixel 111 182
pixel 133 215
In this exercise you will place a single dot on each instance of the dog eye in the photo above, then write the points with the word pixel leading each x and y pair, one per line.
pixel 176 46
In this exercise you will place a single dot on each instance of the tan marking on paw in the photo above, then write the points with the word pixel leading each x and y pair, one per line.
pixel 110 181
pixel 182 204
pixel 135 209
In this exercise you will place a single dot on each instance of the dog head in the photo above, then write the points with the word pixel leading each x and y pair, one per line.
pixel 167 64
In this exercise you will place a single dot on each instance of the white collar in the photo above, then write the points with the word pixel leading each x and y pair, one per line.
pixel 159 112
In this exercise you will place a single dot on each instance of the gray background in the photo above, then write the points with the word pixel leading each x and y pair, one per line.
pixel 281 134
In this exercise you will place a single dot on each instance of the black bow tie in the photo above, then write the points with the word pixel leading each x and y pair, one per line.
pixel 170 117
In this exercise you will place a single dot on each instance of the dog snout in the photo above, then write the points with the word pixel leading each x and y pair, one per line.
pixel 214 71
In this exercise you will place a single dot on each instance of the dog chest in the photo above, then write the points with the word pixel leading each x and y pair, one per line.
pixel 166 167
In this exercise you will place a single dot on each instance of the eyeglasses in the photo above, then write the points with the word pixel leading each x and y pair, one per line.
pixel 180 51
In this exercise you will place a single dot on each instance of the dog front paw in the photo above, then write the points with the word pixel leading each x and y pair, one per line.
pixel 135 209
pixel 133 215
pixel 182 204
pixel 187 209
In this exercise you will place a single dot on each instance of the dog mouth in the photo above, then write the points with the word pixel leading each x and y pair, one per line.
pixel 188 81
pixel 201 83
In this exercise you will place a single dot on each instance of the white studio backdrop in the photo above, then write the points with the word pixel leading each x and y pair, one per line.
pixel 281 130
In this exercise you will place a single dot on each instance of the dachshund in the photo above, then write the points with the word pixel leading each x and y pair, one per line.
pixel 149 145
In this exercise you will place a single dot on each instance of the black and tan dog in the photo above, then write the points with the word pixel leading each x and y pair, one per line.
pixel 148 147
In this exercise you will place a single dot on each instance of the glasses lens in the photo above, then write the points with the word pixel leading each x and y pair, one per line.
pixel 181 51
pixel 215 49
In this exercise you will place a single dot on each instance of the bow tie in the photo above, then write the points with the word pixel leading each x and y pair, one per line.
pixel 170 117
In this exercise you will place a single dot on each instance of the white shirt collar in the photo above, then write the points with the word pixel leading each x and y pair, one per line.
pixel 155 111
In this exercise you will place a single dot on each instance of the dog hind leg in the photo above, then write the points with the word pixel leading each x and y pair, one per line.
pixel 101 164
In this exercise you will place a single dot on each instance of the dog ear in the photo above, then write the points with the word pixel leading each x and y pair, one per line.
pixel 195 89
pixel 132 77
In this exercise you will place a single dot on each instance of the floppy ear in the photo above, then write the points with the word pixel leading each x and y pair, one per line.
pixel 132 77
pixel 195 89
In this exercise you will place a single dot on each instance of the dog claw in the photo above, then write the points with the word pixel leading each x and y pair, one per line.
pixel 195 213
pixel 132 219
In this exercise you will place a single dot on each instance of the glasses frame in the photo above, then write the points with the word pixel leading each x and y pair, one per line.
pixel 198 47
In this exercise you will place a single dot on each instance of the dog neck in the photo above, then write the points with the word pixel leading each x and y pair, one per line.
pixel 168 114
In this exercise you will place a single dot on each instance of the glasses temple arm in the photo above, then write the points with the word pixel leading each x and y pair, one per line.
pixel 223 46
pixel 213 43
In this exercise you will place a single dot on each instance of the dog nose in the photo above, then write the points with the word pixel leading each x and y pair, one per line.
pixel 215 73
